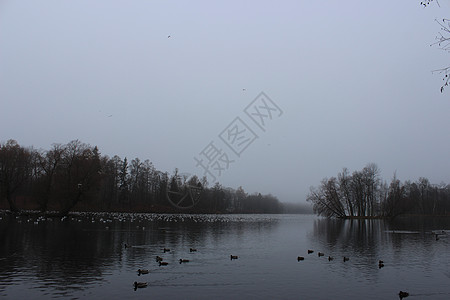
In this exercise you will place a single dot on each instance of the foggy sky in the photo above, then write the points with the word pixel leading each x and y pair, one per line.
pixel 352 78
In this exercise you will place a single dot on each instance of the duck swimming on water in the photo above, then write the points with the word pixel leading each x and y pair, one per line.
pixel 139 285
pixel 402 294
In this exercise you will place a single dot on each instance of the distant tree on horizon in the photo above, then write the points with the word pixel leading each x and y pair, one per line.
pixel 76 176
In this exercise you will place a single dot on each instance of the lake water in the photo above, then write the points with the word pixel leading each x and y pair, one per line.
pixel 83 257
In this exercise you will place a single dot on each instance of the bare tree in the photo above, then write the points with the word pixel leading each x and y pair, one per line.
pixel 49 163
pixel 326 200
pixel 442 41
pixel 79 174
pixel 355 195
pixel 241 195
pixel 344 180
pixel 14 170
pixel 371 182
pixel 395 198
pixel 358 193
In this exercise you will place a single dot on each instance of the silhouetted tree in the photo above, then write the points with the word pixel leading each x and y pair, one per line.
pixel 49 163
pixel 395 198
pixel 123 183
pixel 326 200
pixel 355 195
pixel 241 195
pixel 218 200
pixel 442 41
pixel 344 181
pixel 78 176
pixel 109 188
pixel 15 167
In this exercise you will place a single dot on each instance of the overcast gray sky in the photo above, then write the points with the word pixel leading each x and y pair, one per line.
pixel 352 81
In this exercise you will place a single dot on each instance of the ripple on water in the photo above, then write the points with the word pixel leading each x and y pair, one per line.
pixel 77 258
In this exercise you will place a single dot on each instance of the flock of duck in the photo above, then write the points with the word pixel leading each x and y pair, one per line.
pixel 161 262
pixel 330 258
pixel 97 217
pixel 401 294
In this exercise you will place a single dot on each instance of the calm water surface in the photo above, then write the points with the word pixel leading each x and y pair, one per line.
pixel 83 257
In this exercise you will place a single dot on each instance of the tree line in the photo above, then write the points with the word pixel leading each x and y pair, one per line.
pixel 75 176
pixel 364 194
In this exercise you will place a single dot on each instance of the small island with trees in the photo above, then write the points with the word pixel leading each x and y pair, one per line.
pixel 363 194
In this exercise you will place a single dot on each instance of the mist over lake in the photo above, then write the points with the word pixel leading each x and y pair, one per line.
pixel 84 256
pixel 178 150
